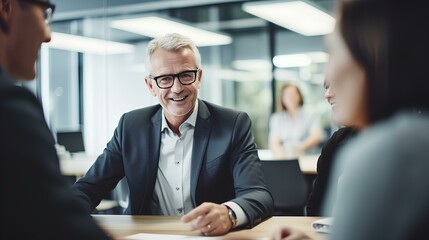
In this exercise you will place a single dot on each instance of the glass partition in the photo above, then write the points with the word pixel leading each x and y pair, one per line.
pixel 93 70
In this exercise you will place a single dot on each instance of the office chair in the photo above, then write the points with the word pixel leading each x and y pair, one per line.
pixel 116 202
pixel 121 193
pixel 72 141
pixel 288 186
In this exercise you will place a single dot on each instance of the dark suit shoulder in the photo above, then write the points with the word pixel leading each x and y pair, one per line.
pixel 324 165
pixel 342 135
pixel 217 111
pixel 10 93
pixel 215 107
pixel 147 112
pixel 141 115
pixel 339 138
pixel 23 124
pixel 19 105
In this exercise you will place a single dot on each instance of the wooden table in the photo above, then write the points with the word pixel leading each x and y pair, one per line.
pixel 120 226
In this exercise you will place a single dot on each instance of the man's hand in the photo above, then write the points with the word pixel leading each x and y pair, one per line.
pixel 288 233
pixel 209 218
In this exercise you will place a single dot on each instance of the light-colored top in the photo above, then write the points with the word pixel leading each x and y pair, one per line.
pixel 292 130
pixel 383 193
pixel 172 193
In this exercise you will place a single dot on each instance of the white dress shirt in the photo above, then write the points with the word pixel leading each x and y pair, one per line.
pixel 172 195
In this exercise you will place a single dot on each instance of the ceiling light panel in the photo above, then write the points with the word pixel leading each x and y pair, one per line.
pixel 77 43
pixel 299 16
pixel 156 27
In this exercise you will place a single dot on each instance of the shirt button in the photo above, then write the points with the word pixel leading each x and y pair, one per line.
pixel 177 162
pixel 177 188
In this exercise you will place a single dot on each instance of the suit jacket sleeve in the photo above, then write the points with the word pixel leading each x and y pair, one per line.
pixel 105 173
pixel 37 201
pixel 252 193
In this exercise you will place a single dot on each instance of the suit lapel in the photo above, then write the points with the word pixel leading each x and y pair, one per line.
pixel 151 169
pixel 155 145
pixel 201 138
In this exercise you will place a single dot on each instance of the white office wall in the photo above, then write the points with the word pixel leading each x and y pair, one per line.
pixel 113 85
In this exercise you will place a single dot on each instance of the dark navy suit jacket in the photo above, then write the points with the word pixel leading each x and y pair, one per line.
pixel 225 163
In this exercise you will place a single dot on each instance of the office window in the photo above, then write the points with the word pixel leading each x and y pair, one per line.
pixel 89 89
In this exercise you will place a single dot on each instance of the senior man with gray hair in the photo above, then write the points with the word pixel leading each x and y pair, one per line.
pixel 183 156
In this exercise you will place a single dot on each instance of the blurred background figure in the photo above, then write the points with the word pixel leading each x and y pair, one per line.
pixel 293 130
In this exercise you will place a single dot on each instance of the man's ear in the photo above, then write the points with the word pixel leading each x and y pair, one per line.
pixel 5 10
pixel 200 76
pixel 150 86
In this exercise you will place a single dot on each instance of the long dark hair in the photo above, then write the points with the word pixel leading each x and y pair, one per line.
pixel 389 39
pixel 6 7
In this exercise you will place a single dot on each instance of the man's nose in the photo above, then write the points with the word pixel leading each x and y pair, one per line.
pixel 328 93
pixel 177 85
pixel 47 34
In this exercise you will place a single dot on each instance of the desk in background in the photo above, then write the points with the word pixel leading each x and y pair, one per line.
pixel 307 163
pixel 120 226
pixel 78 165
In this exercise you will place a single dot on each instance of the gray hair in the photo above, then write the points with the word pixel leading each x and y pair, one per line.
pixel 173 42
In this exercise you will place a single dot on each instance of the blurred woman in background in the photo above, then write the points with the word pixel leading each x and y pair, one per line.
pixel 293 130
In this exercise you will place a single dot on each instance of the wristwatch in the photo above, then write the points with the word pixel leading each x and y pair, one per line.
pixel 232 217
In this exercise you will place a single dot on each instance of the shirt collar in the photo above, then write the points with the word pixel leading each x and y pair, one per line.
pixel 191 120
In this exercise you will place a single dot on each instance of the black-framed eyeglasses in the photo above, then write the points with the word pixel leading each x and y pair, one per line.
pixel 167 81
pixel 49 8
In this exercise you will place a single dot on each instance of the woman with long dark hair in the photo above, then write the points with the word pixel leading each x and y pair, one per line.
pixel 378 67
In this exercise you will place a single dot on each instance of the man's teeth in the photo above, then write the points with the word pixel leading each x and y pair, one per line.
pixel 178 99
